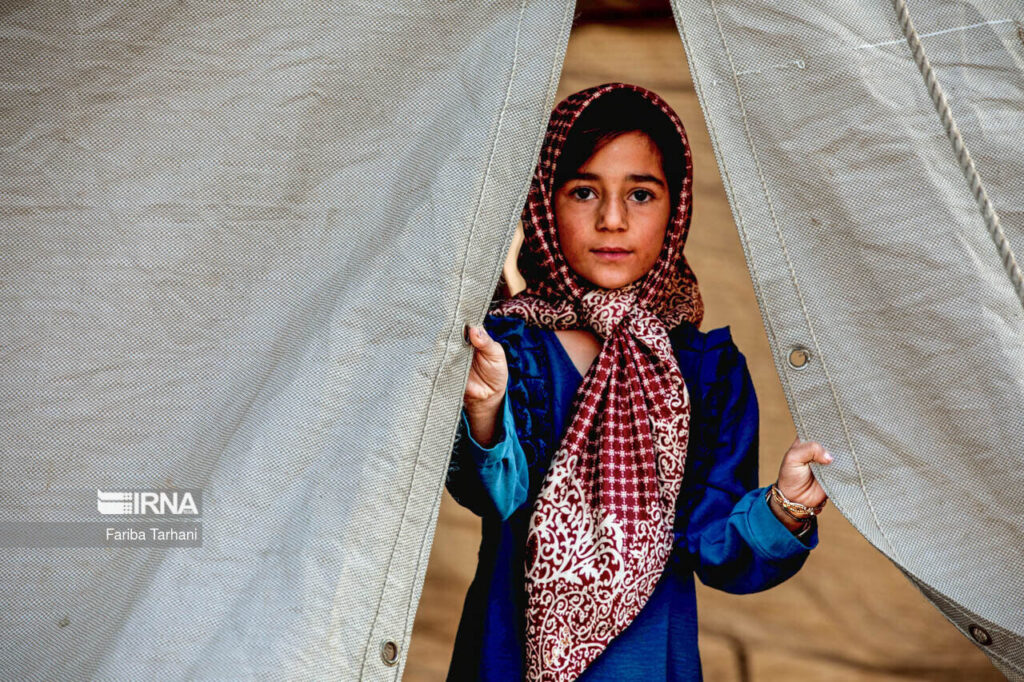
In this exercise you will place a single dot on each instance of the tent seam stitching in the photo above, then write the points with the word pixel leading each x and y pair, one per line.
pixel 405 511
pixel 549 93
pixel 792 276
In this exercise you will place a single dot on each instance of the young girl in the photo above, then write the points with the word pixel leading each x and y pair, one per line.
pixel 609 445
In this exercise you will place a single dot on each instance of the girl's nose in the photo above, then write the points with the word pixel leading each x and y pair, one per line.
pixel 613 215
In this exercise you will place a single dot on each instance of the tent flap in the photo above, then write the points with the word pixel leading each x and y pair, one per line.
pixel 240 241
pixel 869 255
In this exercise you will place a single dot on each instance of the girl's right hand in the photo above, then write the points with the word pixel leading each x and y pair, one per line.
pixel 486 386
pixel 489 373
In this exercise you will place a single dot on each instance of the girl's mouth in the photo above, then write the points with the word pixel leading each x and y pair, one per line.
pixel 610 254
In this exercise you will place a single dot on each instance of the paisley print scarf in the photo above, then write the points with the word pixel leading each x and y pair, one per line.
pixel 600 532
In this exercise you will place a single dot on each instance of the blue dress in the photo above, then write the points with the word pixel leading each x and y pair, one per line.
pixel 724 530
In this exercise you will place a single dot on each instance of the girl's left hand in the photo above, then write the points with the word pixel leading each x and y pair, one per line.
pixel 796 480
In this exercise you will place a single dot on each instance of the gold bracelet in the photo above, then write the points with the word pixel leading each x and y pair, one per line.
pixel 806 524
pixel 800 512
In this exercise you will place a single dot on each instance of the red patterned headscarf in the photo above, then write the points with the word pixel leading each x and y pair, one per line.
pixel 601 529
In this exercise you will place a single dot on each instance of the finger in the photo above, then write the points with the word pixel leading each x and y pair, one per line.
pixel 815 452
pixel 490 348
pixel 810 451
pixel 479 337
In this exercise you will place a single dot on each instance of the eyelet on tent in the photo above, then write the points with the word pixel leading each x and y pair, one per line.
pixel 389 652
pixel 799 357
pixel 980 635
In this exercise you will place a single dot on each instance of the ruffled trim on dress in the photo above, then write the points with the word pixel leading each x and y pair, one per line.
pixel 528 389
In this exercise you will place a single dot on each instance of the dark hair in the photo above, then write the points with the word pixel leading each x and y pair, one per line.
pixel 609 117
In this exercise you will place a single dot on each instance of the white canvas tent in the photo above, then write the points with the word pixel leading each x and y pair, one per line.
pixel 239 244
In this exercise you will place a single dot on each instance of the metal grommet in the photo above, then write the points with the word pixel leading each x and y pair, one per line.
pixel 799 357
pixel 389 652
pixel 979 635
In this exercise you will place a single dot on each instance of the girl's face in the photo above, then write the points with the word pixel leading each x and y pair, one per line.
pixel 612 213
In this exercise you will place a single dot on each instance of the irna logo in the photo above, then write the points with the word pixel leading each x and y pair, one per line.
pixel 147 503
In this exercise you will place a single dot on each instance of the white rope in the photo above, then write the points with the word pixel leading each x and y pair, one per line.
pixel 962 155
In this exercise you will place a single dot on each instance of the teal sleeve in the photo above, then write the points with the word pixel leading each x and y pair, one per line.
pixel 773 539
pixel 490 480
pixel 750 549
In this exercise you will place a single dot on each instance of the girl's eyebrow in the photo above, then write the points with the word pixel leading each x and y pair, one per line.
pixel 643 177
pixel 632 177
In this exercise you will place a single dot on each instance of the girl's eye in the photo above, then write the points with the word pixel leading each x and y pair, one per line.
pixel 581 192
pixel 642 195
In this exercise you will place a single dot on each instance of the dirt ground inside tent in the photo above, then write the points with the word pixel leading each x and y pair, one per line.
pixel 849 614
